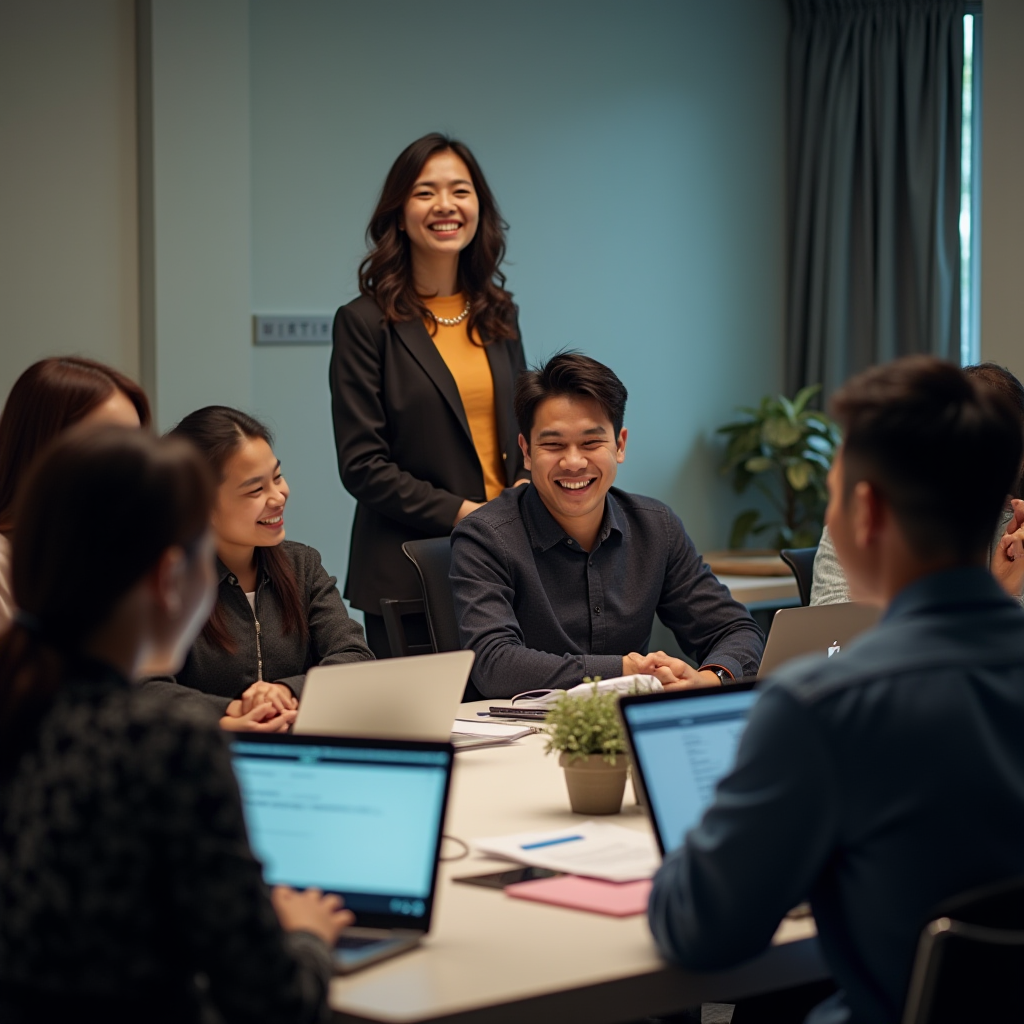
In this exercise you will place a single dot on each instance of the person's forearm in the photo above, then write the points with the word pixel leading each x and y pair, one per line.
pixel 505 668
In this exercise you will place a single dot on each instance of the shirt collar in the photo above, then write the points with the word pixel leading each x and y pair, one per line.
pixel 545 532
pixel 223 572
pixel 964 585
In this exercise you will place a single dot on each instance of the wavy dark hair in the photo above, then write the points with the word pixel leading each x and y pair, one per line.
pixel 50 396
pixel 386 273
pixel 218 432
pixel 97 511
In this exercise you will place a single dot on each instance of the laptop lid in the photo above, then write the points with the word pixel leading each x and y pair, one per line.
pixel 413 698
pixel 361 818
pixel 819 629
pixel 682 743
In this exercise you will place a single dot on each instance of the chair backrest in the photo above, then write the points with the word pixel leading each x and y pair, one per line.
pixel 801 561
pixel 970 960
pixel 433 559
pixel 397 617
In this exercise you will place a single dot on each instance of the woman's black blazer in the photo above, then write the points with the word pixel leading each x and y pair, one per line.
pixel 405 452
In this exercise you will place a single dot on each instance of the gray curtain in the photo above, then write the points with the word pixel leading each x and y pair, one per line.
pixel 874 184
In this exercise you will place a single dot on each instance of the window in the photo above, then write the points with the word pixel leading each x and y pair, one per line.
pixel 970 190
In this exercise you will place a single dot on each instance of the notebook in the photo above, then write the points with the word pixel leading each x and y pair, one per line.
pixel 614 899
pixel 413 698
pixel 824 629
pixel 361 818
pixel 682 742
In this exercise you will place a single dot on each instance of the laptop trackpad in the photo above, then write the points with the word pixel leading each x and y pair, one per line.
pixel 359 947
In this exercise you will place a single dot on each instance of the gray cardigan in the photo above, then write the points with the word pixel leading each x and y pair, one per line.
pixel 220 676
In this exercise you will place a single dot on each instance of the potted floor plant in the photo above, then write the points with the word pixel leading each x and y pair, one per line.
pixel 784 449
pixel 586 732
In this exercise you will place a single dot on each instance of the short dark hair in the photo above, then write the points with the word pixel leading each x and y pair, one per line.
pixel 941 448
pixel 575 375
pixel 999 379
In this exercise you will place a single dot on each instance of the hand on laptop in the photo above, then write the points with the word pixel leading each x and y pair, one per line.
pixel 311 911
pixel 673 673
pixel 262 718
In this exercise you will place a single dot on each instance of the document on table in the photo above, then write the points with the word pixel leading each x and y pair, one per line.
pixel 492 730
pixel 594 849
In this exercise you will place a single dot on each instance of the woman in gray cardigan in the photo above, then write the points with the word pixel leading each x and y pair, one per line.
pixel 278 612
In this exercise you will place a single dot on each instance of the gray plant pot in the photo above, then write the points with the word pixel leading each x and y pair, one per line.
pixel 595 786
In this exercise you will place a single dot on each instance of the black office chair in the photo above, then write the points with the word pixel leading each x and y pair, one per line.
pixel 433 559
pixel 801 562
pixel 405 622
pixel 970 960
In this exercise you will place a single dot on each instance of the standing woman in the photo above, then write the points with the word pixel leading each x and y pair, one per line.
pixel 423 370
pixel 50 396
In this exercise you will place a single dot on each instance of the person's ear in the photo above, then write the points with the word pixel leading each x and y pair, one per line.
pixel 167 582
pixel 868 513
pixel 620 446
pixel 524 447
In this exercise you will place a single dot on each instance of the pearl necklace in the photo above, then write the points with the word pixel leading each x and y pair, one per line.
pixel 451 321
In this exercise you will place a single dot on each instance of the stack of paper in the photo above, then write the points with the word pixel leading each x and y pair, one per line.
pixel 467 734
pixel 594 849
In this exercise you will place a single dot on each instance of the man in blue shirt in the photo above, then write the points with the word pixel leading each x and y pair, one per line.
pixel 881 782
pixel 562 579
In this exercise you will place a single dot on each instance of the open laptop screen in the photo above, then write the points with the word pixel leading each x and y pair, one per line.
pixel 359 818
pixel 683 742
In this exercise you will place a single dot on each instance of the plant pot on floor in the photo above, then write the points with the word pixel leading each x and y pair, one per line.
pixel 595 786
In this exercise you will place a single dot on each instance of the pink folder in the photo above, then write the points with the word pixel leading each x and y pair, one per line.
pixel 617 899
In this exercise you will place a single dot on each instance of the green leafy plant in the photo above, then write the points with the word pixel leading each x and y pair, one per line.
pixel 583 725
pixel 785 450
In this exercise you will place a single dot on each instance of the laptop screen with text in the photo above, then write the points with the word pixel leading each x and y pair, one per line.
pixel 360 820
pixel 683 743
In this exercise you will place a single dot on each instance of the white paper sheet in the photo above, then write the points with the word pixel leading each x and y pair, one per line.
pixel 495 730
pixel 594 849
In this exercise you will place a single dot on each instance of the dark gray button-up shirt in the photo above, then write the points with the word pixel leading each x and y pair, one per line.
pixel 877 784
pixel 539 611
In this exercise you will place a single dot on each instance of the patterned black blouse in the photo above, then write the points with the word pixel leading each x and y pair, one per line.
pixel 128 891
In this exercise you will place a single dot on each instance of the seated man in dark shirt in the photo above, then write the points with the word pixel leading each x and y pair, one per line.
pixel 886 780
pixel 562 579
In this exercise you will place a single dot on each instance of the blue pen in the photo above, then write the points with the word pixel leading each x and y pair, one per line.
pixel 551 842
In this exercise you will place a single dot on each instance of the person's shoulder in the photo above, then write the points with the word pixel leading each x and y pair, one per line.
pixel 362 309
pixel 299 554
pixel 498 514
pixel 640 504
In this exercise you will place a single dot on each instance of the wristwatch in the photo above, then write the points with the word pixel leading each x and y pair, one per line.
pixel 723 676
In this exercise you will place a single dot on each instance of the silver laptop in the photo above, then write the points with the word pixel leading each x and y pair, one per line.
pixel 822 629
pixel 360 818
pixel 413 698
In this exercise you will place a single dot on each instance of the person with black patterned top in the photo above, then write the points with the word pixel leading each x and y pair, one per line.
pixel 128 890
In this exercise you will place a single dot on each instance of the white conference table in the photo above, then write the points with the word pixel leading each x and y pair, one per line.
pixel 492 959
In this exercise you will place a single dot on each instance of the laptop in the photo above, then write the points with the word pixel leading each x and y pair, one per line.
pixel 414 698
pixel 360 818
pixel 682 743
pixel 824 629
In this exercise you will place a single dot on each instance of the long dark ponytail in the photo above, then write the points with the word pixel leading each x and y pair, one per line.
pixel 95 514
pixel 218 432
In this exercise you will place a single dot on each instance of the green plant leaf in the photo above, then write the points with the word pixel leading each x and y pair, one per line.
pixel 820 443
pixel 788 409
pixel 742 525
pixel 583 725
pixel 779 432
pixel 803 396
pixel 798 473
pixel 758 464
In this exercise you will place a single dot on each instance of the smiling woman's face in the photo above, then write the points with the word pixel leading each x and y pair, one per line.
pixel 442 212
pixel 249 511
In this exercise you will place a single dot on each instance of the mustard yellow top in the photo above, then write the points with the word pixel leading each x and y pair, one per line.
pixel 468 364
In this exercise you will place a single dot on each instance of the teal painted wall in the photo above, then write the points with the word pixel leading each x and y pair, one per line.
pixel 637 152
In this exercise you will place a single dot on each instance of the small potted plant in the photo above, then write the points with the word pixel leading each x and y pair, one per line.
pixel 587 733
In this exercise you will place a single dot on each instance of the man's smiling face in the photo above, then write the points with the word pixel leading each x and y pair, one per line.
pixel 573 456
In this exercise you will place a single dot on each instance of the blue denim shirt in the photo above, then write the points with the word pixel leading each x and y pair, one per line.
pixel 876 784
pixel 539 611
